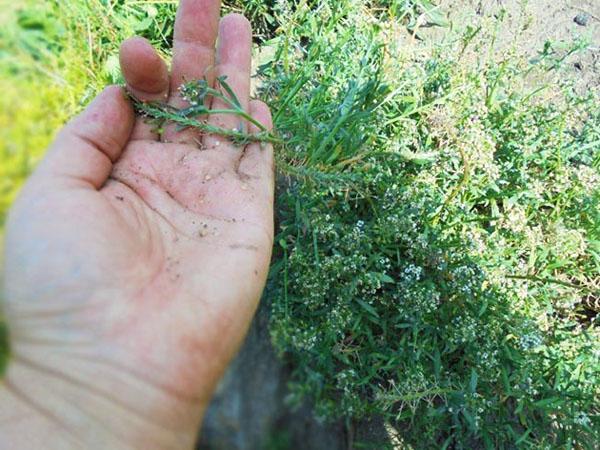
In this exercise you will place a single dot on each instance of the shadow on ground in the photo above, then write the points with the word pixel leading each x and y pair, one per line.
pixel 249 411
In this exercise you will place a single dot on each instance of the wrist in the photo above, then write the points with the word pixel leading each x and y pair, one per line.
pixel 45 408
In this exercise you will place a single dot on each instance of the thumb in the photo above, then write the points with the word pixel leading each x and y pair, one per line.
pixel 86 148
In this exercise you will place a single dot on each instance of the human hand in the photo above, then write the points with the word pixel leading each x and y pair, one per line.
pixel 134 262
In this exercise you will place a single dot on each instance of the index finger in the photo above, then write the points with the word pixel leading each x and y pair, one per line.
pixel 195 35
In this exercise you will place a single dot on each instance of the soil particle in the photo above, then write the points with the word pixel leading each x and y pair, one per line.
pixel 252 248
pixel 202 233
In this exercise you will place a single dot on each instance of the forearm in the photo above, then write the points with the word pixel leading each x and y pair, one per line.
pixel 42 411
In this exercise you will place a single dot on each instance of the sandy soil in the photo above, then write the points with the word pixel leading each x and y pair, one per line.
pixel 528 24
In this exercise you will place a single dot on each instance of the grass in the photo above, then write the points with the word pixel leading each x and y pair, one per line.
pixel 438 207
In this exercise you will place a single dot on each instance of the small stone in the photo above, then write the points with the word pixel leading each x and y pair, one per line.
pixel 582 19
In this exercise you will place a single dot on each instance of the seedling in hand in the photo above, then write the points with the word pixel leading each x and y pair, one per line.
pixel 196 93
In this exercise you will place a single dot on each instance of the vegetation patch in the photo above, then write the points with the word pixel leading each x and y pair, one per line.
pixel 438 208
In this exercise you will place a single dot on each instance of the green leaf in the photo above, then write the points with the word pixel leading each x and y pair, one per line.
pixel 223 83
pixel 437 362
pixel 522 438
pixel 143 25
pixel 4 346
pixel 112 68
pixel 368 308
pixel 547 402
pixel 436 17
pixel 473 381
pixel 384 278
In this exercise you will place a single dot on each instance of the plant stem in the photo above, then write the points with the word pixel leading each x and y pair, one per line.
pixel 198 91
pixel 238 137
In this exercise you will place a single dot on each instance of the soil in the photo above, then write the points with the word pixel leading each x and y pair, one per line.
pixel 528 24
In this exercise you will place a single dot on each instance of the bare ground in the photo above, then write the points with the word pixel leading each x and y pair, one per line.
pixel 528 24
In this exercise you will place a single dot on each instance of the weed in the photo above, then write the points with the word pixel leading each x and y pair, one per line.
pixel 197 93
pixel 439 237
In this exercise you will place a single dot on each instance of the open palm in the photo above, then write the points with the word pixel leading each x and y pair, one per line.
pixel 135 261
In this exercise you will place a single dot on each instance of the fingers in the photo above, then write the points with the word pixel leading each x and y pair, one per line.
pixel 257 163
pixel 88 145
pixel 147 78
pixel 195 35
pixel 234 60
pixel 196 28
pixel 146 73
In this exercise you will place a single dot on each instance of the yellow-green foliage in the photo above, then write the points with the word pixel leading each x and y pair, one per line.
pixel 54 56
pixel 40 88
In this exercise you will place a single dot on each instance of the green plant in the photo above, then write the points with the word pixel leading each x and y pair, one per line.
pixel 197 93
pixel 438 209
pixel 423 271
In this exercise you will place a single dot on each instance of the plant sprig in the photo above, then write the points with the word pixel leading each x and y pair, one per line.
pixel 196 93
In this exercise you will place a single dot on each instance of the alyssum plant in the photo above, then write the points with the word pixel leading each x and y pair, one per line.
pixel 198 93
